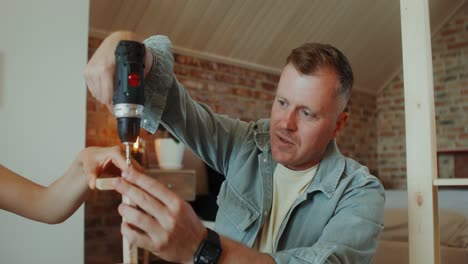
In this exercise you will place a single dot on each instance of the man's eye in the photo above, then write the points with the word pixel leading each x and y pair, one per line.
pixel 281 102
pixel 306 113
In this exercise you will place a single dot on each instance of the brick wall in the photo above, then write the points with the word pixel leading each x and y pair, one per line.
pixel 358 139
pixel 227 89
pixel 391 157
pixel 450 66
pixel 231 90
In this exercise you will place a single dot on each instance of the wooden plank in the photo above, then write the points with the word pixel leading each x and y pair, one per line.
pixel 104 184
pixel 452 151
pixel 451 182
pixel 420 132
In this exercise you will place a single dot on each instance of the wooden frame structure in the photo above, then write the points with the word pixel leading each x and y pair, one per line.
pixel 420 134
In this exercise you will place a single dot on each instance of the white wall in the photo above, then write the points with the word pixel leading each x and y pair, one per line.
pixel 43 50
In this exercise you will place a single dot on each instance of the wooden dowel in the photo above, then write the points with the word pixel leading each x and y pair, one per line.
pixel 130 252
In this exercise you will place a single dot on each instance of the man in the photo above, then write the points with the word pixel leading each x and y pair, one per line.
pixel 289 195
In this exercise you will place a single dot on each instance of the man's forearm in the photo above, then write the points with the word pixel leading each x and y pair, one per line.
pixel 235 252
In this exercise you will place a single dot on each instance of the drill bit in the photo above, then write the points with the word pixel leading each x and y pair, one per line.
pixel 127 154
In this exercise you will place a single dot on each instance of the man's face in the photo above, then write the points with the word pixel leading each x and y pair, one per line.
pixel 305 116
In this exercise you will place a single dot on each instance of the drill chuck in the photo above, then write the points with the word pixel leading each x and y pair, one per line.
pixel 129 97
pixel 128 128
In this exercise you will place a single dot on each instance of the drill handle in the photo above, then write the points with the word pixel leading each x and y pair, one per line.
pixel 129 73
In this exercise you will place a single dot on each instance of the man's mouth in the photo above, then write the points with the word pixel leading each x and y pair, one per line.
pixel 285 140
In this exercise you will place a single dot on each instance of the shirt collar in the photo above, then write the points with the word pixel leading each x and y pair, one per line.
pixel 329 172
pixel 330 169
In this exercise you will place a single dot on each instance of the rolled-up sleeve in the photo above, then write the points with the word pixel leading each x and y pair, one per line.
pixel 158 81
pixel 206 133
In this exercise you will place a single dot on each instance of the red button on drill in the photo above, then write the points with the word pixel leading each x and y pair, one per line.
pixel 134 79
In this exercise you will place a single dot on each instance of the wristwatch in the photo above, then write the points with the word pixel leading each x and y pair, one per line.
pixel 209 250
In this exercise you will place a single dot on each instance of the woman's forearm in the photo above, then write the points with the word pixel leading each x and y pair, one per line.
pixel 63 197
pixel 52 204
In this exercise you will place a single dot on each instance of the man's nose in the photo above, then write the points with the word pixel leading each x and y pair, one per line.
pixel 289 121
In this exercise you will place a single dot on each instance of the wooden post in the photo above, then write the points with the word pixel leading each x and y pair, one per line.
pixel 130 252
pixel 420 132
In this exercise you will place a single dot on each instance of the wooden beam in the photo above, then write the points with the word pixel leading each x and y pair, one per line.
pixel 420 132
pixel 451 182
pixel 104 184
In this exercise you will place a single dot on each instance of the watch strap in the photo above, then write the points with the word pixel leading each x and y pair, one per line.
pixel 209 251
pixel 213 236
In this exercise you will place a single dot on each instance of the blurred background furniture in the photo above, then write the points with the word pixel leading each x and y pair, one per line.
pixel 453 225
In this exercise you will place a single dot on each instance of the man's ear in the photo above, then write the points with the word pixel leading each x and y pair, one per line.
pixel 340 123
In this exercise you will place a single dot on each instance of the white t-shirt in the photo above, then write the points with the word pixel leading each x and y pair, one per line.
pixel 288 186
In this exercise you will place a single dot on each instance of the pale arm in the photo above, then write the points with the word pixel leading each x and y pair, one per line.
pixel 55 203
pixel 51 205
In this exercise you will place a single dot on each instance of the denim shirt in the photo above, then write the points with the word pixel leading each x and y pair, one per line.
pixel 338 219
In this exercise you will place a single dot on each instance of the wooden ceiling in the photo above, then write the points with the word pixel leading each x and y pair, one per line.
pixel 259 34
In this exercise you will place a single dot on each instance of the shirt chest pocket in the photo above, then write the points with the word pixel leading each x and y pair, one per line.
pixel 235 215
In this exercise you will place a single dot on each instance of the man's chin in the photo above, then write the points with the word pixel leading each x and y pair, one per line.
pixel 280 158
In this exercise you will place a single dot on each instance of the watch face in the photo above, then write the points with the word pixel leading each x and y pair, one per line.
pixel 209 253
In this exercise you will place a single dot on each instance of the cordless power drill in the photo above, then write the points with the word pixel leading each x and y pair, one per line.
pixel 129 95
pixel 129 100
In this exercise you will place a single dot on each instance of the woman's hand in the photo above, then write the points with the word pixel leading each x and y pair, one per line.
pixel 93 161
